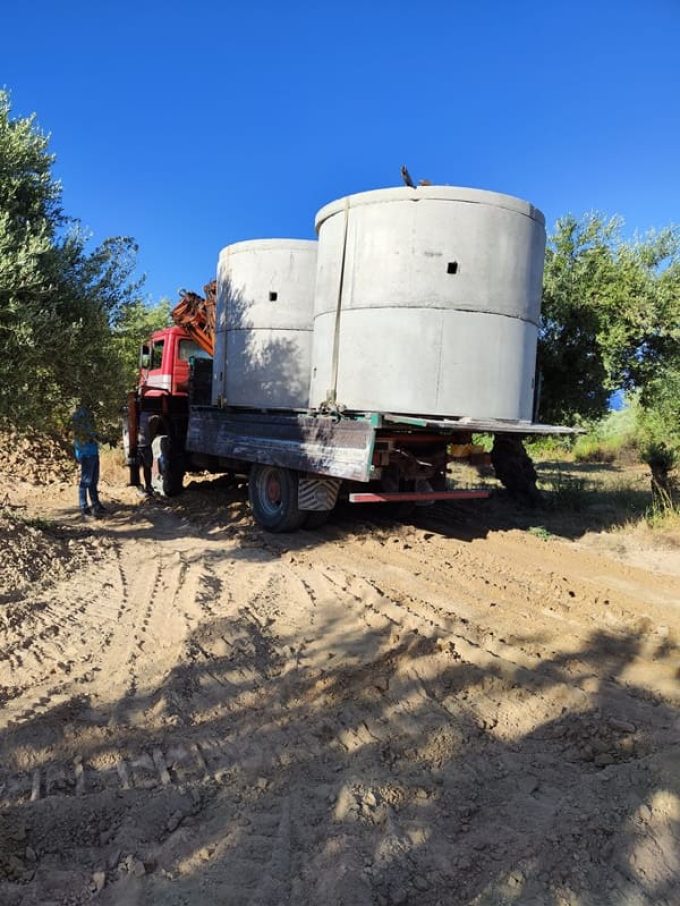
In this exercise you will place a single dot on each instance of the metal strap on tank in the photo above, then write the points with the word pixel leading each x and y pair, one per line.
pixel 331 400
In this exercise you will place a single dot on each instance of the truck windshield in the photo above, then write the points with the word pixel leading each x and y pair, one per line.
pixel 189 349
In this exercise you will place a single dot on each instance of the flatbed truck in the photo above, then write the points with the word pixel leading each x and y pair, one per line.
pixel 299 463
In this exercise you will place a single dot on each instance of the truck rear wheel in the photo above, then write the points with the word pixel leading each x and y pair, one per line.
pixel 316 518
pixel 273 493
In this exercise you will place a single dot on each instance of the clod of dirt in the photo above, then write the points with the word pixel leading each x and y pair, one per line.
pixel 38 459
pixel 36 552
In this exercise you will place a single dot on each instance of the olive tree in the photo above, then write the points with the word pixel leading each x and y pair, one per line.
pixel 611 320
pixel 610 314
pixel 59 299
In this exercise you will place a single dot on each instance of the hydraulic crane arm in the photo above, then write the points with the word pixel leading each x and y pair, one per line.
pixel 197 316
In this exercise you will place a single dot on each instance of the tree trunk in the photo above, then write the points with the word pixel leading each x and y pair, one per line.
pixel 662 485
pixel 515 469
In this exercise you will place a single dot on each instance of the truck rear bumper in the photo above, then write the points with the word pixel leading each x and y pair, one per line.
pixel 415 496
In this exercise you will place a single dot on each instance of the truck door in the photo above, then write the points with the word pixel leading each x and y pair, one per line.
pixel 159 375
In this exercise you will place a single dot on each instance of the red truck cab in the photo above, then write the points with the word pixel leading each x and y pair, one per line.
pixel 164 364
pixel 163 391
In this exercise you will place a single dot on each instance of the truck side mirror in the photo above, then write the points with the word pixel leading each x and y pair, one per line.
pixel 145 357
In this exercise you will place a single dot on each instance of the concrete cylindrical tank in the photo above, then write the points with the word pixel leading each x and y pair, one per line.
pixel 427 302
pixel 263 341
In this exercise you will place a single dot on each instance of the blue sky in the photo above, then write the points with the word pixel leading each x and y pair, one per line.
pixel 193 125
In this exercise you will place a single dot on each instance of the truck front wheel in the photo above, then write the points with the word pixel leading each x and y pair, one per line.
pixel 173 476
pixel 168 466
pixel 273 494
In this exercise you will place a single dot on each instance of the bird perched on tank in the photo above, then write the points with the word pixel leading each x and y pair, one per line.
pixel 406 176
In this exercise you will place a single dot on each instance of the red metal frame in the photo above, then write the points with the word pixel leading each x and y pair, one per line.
pixel 399 496
pixel 411 438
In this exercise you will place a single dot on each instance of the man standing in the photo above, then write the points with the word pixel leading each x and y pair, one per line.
pixel 86 448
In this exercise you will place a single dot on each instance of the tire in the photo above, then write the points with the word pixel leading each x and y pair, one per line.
pixel 273 494
pixel 168 466
pixel 173 476
pixel 316 518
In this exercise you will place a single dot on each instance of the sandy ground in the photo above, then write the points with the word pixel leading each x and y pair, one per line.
pixel 453 711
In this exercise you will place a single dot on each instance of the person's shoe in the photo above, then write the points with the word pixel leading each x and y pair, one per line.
pixel 99 510
pixel 148 490
pixel 85 512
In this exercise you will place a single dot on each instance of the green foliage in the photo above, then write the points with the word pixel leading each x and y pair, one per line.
pixel 663 516
pixel 588 449
pixel 136 321
pixel 611 438
pixel 549 446
pixel 659 429
pixel 611 314
pixel 541 532
pixel 58 299
pixel 658 453
pixel 29 195
pixel 483 440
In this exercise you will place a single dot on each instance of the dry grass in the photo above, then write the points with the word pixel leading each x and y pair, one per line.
pixel 112 468
pixel 582 498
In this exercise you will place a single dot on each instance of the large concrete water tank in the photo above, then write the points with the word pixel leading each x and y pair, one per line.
pixel 427 302
pixel 263 342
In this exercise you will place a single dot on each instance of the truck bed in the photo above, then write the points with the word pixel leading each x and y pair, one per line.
pixel 338 447
pixel 322 445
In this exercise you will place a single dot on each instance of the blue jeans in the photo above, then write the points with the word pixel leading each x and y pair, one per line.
pixel 89 479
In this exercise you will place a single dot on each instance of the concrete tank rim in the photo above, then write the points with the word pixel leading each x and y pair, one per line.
pixel 467 195
pixel 259 245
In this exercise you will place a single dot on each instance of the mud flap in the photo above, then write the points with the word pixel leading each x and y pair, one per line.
pixel 318 494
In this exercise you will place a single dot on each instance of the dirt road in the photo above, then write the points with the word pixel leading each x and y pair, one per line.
pixel 449 712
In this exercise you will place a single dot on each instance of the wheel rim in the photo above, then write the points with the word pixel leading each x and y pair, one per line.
pixel 269 491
